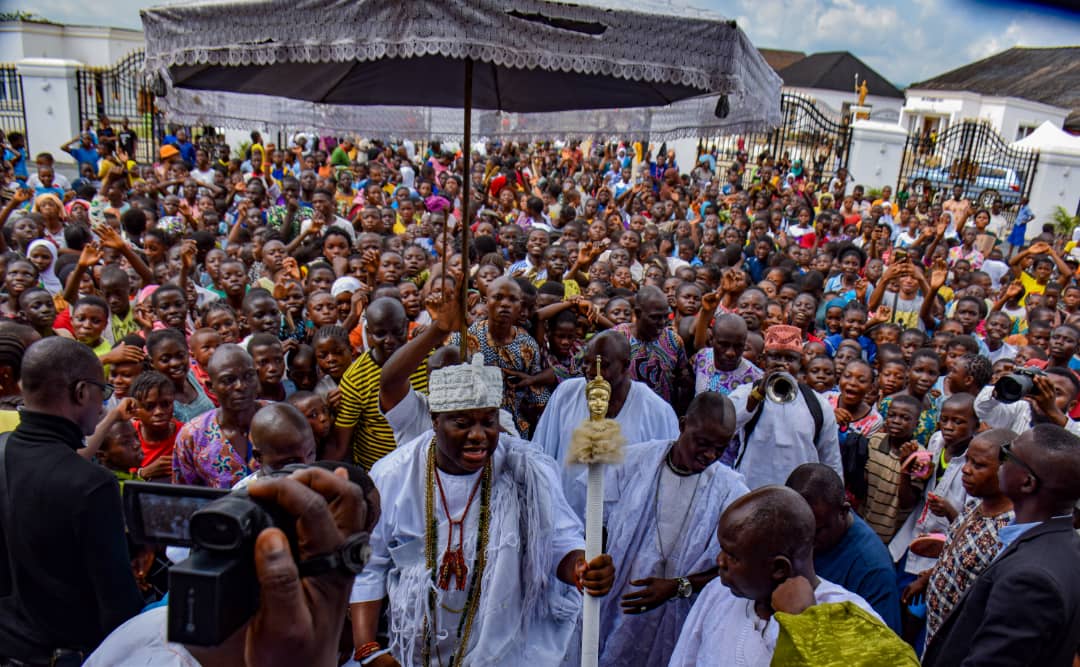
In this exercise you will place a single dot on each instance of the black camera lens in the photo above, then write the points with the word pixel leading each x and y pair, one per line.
pixel 1013 387
pixel 228 523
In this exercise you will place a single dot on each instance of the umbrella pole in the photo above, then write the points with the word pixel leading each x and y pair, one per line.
pixel 466 196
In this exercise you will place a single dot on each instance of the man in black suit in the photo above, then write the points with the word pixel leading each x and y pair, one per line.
pixel 1024 609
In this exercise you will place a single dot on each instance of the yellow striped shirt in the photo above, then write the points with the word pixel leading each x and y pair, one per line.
pixel 372 437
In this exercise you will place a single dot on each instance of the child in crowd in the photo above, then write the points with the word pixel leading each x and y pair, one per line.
pixel 317 413
pixel 156 428
pixel 891 489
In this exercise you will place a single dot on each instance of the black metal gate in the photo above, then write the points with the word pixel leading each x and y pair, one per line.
pixel 970 154
pixel 819 138
pixel 12 109
pixel 120 93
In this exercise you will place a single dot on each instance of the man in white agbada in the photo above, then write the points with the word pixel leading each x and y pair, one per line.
pixel 779 437
pixel 661 508
pixel 642 415
pixel 766 539
pixel 477 550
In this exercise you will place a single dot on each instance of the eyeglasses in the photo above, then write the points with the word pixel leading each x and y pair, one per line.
pixel 1006 452
pixel 106 388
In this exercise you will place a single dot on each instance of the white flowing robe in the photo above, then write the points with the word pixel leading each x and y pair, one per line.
pixel 644 416
pixel 630 518
pixel 525 614
pixel 783 438
pixel 724 630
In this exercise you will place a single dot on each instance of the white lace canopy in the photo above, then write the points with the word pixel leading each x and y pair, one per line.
pixel 396 68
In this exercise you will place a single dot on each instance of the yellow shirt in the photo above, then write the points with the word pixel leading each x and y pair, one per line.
pixel 1031 286
pixel 9 419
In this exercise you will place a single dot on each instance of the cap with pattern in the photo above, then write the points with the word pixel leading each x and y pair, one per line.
pixel 465 387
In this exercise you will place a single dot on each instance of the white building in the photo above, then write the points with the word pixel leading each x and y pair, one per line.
pixel 91 45
pixel 830 79
pixel 1016 91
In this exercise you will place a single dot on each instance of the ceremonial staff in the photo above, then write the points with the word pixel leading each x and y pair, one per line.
pixel 596 442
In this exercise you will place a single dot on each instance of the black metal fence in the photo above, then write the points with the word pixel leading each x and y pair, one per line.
pixel 974 156
pixel 12 109
pixel 819 138
pixel 120 93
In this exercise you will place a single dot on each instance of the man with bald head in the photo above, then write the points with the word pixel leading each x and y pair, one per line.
pixel 642 415
pixel 361 432
pixel 660 509
pixel 65 576
pixel 766 543
pixel 721 366
pixel 657 355
pixel 280 436
pixel 1024 609
pixel 847 551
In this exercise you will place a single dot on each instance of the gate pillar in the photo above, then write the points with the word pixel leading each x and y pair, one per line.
pixel 51 103
pixel 876 151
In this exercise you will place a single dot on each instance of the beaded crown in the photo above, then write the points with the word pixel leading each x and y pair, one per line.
pixel 472 386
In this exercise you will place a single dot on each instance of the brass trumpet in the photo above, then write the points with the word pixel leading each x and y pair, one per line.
pixel 781 388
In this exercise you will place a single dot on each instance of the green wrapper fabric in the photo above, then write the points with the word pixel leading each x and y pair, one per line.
pixel 838 635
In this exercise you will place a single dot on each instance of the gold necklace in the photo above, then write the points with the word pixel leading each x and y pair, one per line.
pixel 431 536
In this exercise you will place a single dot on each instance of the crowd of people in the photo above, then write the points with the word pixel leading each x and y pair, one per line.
pixel 848 414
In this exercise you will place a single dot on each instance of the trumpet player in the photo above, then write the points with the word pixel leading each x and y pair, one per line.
pixel 782 423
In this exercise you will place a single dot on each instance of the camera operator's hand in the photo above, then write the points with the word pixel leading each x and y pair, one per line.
pixel 299 621
pixel 1044 400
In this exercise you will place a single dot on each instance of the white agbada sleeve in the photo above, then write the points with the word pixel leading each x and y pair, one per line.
pixel 410 418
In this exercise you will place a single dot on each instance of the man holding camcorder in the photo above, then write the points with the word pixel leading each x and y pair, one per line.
pixel 782 423
pixel 1028 397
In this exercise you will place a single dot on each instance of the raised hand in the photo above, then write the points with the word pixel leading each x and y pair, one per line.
pixel 22 195
pixel 710 301
pixel 109 237
pixel 188 251
pixel 290 267
pixel 938 275
pixel 89 256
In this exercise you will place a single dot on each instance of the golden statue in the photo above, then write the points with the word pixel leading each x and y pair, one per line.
pixel 598 439
pixel 862 90
pixel 598 395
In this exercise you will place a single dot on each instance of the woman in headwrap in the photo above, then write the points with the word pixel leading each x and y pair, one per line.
pixel 52 210
pixel 42 254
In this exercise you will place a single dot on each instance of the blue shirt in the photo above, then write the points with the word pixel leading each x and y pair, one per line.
pixel 86 156
pixel 1008 534
pixel 18 157
pixel 861 563
pixel 869 347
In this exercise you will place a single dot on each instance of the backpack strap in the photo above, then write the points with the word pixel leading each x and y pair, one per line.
pixel 814 405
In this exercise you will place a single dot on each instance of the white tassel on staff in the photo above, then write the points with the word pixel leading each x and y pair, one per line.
pixel 596 443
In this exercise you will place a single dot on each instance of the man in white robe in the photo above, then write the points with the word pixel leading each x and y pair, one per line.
pixel 661 508
pixel 642 415
pixel 766 538
pixel 783 437
pixel 492 487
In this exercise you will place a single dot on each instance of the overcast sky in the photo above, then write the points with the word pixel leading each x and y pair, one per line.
pixel 905 40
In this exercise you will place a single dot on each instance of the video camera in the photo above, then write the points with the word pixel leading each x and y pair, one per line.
pixel 1016 385
pixel 215 590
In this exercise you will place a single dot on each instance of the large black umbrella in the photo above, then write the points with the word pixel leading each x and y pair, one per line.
pixel 434 68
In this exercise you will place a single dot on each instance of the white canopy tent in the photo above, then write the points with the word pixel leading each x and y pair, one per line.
pixel 1051 138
